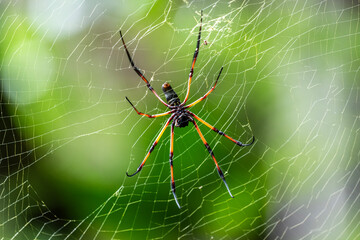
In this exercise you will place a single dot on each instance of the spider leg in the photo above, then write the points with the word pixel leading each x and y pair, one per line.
pixel 171 163
pixel 222 133
pixel 203 97
pixel 193 62
pixel 152 147
pixel 140 74
pixel 147 115
pixel 212 155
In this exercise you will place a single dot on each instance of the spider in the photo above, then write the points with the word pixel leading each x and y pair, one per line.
pixel 180 116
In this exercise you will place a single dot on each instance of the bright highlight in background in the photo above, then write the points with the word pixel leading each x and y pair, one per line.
pixel 27 72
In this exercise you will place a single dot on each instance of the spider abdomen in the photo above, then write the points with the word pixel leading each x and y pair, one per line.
pixel 171 96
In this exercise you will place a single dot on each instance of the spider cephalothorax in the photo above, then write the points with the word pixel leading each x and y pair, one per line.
pixel 180 116
pixel 182 119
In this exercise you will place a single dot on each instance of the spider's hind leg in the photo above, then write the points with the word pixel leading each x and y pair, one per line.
pixel 139 72
pixel 196 53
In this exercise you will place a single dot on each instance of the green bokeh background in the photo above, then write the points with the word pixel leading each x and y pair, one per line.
pixel 68 136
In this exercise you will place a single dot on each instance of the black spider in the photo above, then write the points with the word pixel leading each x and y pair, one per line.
pixel 180 116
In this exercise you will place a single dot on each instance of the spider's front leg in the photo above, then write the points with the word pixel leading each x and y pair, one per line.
pixel 152 147
pixel 212 155
pixel 171 162
pixel 222 133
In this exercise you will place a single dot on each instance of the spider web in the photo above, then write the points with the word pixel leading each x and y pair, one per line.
pixel 290 78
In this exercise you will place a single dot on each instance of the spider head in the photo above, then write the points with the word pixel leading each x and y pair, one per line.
pixel 182 120
pixel 171 96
